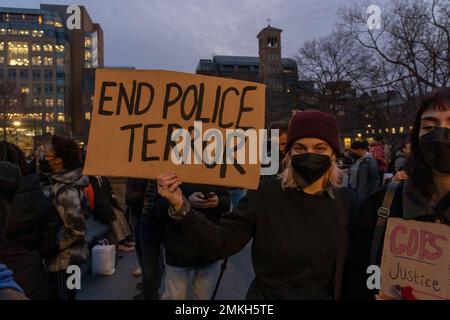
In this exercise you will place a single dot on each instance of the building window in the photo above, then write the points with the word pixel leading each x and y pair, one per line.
pixel 48 89
pixel 36 61
pixel 37 33
pixel 24 74
pixel 347 143
pixel 393 131
pixel 59 47
pixel 2 59
pixel 50 130
pixel 401 130
pixel 87 116
pixel 2 46
pixel 35 47
pixel 18 53
pixel 48 61
pixel 87 55
pixel 36 89
pixel 49 102
pixel 25 89
pixel 2 32
pixel 37 102
pixel 60 62
pixel 60 89
pixel 12 73
pixel 60 75
pixel 61 117
pixel 60 102
pixel 87 42
pixel 36 74
pixel 48 48
pixel 272 42
pixel 48 74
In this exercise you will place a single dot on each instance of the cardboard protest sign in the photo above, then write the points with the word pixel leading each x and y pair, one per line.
pixel 138 116
pixel 416 254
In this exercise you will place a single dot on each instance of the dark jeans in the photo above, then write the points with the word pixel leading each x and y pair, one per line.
pixel 135 217
pixel 152 259
pixel 58 281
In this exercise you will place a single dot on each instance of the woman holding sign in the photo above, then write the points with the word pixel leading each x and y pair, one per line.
pixel 298 220
pixel 425 196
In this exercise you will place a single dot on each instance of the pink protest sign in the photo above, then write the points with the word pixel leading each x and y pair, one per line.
pixel 416 254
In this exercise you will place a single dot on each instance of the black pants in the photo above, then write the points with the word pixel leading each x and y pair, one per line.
pixel 59 290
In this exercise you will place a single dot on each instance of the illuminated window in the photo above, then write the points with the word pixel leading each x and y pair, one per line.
pixel 88 56
pixel 59 47
pixel 50 130
pixel 393 131
pixel 37 102
pixel 24 32
pixel 35 47
pixel 36 61
pixel 37 33
pixel 2 46
pixel 40 20
pixel 347 143
pixel 379 130
pixel 48 61
pixel 60 117
pixel 18 53
pixel 2 59
pixel 2 32
pixel 60 103
pixel 410 128
pixel 58 24
pixel 25 90
pixel 359 135
pixel 87 116
pixel 49 102
pixel 401 130
pixel 87 42
pixel 48 48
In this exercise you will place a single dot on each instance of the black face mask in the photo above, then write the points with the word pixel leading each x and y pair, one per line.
pixel 311 166
pixel 435 147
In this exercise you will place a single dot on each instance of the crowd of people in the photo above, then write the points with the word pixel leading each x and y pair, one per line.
pixel 313 224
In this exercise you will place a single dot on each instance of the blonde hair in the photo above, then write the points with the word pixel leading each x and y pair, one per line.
pixel 290 179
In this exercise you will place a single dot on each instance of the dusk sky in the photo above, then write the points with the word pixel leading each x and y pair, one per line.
pixel 175 34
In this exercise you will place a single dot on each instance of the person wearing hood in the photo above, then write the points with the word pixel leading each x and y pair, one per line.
pixel 363 174
pixel 31 231
pixel 424 196
pixel 67 193
pixel 9 182
pixel 300 240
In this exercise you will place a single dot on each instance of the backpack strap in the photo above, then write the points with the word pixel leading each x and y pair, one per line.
pixel 383 214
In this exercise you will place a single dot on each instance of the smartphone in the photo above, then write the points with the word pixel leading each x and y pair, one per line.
pixel 208 195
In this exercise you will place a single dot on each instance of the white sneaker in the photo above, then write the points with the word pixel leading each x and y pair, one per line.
pixel 137 272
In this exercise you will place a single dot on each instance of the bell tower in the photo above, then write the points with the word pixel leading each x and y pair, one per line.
pixel 270 64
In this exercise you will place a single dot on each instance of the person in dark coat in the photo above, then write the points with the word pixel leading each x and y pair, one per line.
pixel 31 231
pixel 424 196
pixel 181 256
pixel 298 221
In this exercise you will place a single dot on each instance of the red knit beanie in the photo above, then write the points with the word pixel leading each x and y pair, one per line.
pixel 313 124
